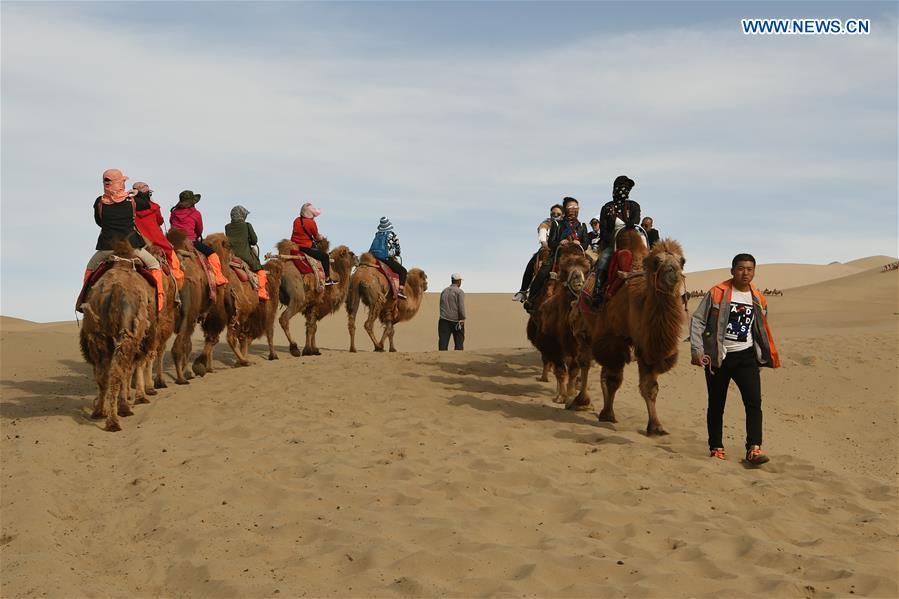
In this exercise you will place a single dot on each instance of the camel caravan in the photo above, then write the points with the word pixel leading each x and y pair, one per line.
pixel 610 302
pixel 143 286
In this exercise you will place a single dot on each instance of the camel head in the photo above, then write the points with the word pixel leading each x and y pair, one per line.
pixel 344 258
pixel 417 279
pixel 573 266
pixel 665 265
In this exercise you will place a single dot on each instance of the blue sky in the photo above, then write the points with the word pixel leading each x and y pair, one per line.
pixel 460 121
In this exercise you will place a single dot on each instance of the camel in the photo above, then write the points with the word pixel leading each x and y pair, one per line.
pixel 195 303
pixel 304 293
pixel 645 316
pixel 232 310
pixel 549 328
pixel 118 331
pixel 371 286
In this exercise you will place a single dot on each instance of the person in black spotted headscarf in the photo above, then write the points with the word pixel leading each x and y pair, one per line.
pixel 621 209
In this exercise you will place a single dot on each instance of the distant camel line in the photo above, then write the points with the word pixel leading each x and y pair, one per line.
pixel 890 266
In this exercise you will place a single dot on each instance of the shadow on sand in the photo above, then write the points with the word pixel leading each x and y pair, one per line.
pixel 70 394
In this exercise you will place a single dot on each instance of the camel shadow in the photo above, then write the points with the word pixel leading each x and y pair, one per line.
pixel 52 396
pixel 480 375
pixel 525 410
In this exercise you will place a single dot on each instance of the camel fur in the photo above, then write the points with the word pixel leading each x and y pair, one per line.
pixel 645 317
pixel 117 334
pixel 370 286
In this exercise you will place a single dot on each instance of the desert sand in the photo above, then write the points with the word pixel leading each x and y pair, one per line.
pixel 422 474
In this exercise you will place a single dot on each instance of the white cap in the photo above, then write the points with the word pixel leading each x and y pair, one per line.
pixel 456 276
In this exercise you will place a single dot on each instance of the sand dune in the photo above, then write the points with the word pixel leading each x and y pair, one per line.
pixel 423 474
pixel 789 275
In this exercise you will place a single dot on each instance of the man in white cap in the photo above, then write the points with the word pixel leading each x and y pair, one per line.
pixel 452 315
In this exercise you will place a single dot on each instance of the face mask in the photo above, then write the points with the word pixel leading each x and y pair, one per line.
pixel 556 218
pixel 143 196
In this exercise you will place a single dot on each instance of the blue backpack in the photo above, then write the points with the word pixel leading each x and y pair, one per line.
pixel 378 247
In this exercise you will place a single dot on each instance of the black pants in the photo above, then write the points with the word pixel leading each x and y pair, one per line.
pixel 741 367
pixel 203 248
pixel 445 328
pixel 397 268
pixel 528 275
pixel 321 257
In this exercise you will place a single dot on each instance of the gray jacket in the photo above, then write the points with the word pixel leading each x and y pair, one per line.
pixel 709 322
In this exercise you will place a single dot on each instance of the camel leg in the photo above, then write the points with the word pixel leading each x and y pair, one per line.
pixel 119 378
pixel 649 389
pixel 147 366
pixel 351 327
pixel 561 373
pixel 270 337
pixel 390 329
pixel 101 376
pixel 125 403
pixel 369 325
pixel 311 324
pixel 158 381
pixel 235 340
pixel 140 383
pixel 611 380
pixel 203 362
pixel 544 376
pixel 288 313
pixel 581 401
pixel 180 355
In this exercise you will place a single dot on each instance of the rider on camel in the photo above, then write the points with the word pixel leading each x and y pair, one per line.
pixel 186 217
pixel 568 230
pixel 386 248
pixel 242 237
pixel 620 212
pixel 148 219
pixel 114 213
pixel 305 235
pixel 543 229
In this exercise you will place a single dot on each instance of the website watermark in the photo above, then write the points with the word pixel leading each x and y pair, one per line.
pixel 806 26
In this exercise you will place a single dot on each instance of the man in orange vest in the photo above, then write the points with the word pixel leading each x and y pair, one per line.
pixel 730 337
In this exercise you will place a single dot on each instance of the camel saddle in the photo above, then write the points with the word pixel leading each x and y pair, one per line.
pixel 393 279
pixel 101 270
pixel 243 272
pixel 622 261
pixel 159 253
pixel 307 265
pixel 204 264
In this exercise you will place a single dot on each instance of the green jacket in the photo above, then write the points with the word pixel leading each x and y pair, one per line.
pixel 242 236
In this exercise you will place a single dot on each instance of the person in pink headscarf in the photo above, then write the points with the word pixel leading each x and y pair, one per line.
pixel 305 235
pixel 114 213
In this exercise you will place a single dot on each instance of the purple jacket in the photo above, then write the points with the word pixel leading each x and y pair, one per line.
pixel 188 220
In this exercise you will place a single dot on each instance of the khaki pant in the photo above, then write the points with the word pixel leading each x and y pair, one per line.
pixel 100 257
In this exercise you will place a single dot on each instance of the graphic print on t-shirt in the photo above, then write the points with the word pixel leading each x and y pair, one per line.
pixel 739 323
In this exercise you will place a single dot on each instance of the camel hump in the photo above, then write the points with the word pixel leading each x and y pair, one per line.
pixel 368 258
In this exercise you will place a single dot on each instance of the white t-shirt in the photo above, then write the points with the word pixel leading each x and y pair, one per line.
pixel 738 334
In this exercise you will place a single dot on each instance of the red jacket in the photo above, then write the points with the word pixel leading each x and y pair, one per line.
pixel 188 220
pixel 149 223
pixel 304 238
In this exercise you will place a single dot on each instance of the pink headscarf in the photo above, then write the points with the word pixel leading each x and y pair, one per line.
pixel 114 187
pixel 309 211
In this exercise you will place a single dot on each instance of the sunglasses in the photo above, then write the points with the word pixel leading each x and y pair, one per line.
pixel 556 214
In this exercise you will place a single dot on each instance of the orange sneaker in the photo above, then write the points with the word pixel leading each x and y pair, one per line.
pixel 718 452
pixel 755 456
